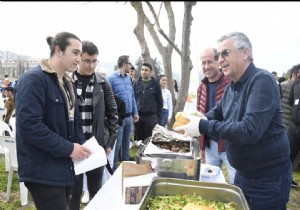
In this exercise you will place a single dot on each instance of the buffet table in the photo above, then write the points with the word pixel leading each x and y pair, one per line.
pixel 110 195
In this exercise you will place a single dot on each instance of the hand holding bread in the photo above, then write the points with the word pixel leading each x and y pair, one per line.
pixel 188 123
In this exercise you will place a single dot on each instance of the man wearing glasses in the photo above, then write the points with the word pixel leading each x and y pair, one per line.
pixel 122 88
pixel 98 110
pixel 249 118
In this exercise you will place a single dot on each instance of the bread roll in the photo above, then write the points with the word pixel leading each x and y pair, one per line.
pixel 179 121
pixel 192 206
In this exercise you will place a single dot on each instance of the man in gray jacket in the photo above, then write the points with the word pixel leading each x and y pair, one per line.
pixel 98 110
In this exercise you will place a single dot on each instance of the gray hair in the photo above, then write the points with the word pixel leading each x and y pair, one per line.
pixel 240 41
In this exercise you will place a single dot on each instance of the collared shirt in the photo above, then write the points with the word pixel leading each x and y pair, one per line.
pixel 122 88
pixel 249 118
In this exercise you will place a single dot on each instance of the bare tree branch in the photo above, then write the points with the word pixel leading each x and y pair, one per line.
pixel 139 31
pixel 166 51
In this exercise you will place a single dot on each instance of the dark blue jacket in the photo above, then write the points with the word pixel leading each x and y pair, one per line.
pixel 43 130
pixel 149 100
pixel 249 118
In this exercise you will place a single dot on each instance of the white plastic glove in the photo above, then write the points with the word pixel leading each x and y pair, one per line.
pixel 192 128
pixel 199 114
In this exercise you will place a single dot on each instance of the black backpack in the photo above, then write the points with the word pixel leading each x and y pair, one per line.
pixel 121 109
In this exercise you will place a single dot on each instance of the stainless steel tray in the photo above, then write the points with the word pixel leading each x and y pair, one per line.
pixel 172 165
pixel 208 191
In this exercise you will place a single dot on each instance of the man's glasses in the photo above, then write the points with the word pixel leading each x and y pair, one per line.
pixel 226 53
pixel 129 64
pixel 89 62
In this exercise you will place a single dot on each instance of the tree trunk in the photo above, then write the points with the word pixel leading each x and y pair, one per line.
pixel 166 51
pixel 139 31
pixel 186 63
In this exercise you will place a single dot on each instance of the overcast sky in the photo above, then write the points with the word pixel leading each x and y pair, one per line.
pixel 272 27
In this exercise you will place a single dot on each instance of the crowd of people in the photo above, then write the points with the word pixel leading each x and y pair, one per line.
pixel 63 102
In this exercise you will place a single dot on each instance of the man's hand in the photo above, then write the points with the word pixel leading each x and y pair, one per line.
pixel 168 121
pixel 107 150
pixel 80 152
pixel 192 128
pixel 136 118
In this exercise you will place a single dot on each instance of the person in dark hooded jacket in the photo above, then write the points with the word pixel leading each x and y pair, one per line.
pixel 48 128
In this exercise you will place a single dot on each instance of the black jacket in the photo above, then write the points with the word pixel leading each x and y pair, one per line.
pixel 294 98
pixel 121 109
pixel 149 101
pixel 105 113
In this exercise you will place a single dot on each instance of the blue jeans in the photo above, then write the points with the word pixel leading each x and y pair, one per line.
pixel 123 140
pixel 215 158
pixel 163 117
pixel 269 193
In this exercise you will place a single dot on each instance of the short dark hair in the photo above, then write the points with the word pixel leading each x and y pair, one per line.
pixel 9 89
pixel 148 65
pixel 132 68
pixel 161 76
pixel 295 70
pixel 122 59
pixel 281 79
pixel 274 72
pixel 89 48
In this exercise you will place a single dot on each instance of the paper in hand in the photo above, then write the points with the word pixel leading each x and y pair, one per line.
pixel 96 159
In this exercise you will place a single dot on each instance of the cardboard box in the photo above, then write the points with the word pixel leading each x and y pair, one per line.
pixel 134 185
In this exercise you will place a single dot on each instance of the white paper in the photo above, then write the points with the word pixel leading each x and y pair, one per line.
pixel 96 159
pixel 296 101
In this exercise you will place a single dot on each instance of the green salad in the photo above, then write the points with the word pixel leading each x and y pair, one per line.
pixel 178 202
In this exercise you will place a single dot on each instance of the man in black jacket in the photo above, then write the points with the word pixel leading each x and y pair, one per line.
pixel 293 131
pixel 149 102
pixel 99 116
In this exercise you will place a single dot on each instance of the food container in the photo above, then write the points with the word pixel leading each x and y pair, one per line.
pixel 208 191
pixel 210 174
pixel 173 165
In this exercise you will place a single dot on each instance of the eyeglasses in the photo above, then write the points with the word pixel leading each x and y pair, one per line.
pixel 89 62
pixel 129 64
pixel 226 53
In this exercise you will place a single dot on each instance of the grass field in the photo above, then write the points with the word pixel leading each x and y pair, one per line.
pixel 14 204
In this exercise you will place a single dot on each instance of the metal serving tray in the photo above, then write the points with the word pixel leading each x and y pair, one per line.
pixel 172 165
pixel 208 191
